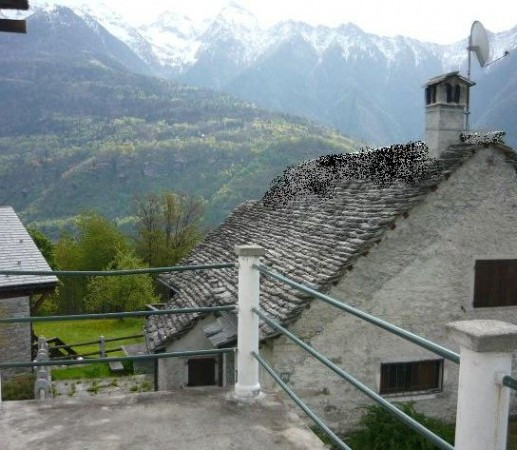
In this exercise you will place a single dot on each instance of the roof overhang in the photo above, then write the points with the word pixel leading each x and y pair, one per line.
pixel 446 76
pixel 11 25
pixel 14 4
pixel 25 290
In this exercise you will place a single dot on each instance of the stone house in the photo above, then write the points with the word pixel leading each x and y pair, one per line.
pixel 18 252
pixel 418 240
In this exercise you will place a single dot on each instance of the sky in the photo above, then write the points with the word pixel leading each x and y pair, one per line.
pixel 441 21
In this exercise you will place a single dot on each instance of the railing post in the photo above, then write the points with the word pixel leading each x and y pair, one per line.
pixel 248 331
pixel 43 383
pixel 486 348
pixel 102 347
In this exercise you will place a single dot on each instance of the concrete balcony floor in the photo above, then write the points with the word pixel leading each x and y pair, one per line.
pixel 194 418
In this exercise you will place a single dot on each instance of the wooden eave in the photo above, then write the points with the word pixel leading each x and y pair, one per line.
pixel 12 25
pixel 14 4
pixel 27 290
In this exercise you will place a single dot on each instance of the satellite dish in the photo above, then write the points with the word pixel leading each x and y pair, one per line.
pixel 478 43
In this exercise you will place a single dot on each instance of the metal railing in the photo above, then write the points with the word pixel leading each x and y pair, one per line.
pixel 435 439
pixel 115 273
pixel 248 358
pixel 323 426
pixel 181 354
pixel 97 316
pixel 418 340
pixel 510 382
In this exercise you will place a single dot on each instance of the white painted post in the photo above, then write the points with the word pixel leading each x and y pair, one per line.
pixel 0 389
pixel 248 326
pixel 486 348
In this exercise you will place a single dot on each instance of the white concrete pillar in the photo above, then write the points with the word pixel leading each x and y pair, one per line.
pixel 0 389
pixel 486 348
pixel 248 332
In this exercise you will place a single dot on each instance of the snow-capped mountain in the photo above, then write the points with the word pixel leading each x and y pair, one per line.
pixel 177 42
pixel 342 76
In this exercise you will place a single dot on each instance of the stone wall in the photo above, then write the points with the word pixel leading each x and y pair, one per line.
pixel 420 276
pixel 15 339
pixel 172 372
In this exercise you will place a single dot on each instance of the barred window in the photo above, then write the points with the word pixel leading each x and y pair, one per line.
pixel 416 377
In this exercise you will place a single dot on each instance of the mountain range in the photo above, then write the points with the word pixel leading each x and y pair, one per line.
pixel 93 115
pixel 367 86
pixel 83 125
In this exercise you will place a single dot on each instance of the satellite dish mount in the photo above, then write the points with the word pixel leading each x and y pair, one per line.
pixel 478 43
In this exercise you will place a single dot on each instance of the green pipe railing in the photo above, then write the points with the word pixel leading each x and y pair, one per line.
pixel 510 382
pixel 115 273
pixel 82 344
pixel 84 355
pixel 418 340
pixel 409 421
pixel 95 316
pixel 301 404
pixel 182 354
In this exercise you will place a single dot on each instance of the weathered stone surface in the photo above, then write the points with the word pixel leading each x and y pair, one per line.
pixel 313 239
pixel 186 419
pixel 485 335
pixel 420 277
pixel 15 339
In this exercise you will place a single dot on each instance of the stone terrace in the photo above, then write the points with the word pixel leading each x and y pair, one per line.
pixel 195 418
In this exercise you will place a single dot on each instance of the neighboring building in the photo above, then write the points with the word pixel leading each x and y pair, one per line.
pixel 14 26
pixel 418 242
pixel 18 252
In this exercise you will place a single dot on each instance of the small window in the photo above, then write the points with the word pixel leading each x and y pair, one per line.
pixel 448 88
pixel 428 95
pixel 417 377
pixel 201 372
pixel 495 283
pixel 457 92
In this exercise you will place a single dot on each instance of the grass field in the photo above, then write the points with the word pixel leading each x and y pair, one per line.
pixel 77 331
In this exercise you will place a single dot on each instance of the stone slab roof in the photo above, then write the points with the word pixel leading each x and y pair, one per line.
pixel 19 252
pixel 314 222
pixel 446 76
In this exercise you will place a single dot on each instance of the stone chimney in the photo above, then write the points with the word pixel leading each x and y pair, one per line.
pixel 446 98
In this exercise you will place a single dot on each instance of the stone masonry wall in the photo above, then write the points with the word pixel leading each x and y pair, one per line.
pixel 15 339
pixel 420 276
pixel 172 372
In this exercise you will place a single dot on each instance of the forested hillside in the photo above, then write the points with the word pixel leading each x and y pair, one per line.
pixel 78 131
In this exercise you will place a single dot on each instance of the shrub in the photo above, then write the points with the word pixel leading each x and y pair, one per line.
pixel 383 431
pixel 20 387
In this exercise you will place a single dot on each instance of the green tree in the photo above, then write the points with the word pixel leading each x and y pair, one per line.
pixel 44 244
pixel 95 247
pixel 99 241
pixel 168 225
pixel 121 293
pixel 45 302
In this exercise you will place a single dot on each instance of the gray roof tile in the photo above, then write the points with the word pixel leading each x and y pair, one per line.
pixel 19 252
pixel 311 237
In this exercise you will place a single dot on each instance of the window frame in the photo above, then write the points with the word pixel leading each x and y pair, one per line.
pixel 411 390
